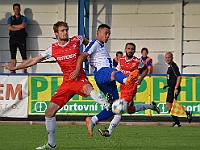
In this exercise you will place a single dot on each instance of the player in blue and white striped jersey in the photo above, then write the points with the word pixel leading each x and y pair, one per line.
pixel 105 75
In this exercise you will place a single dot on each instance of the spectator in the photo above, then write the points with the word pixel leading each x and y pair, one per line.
pixel 16 25
pixel 115 60
pixel 147 60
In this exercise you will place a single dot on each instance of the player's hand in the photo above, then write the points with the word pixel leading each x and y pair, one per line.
pixel 138 82
pixel 175 92
pixel 74 75
pixel 8 67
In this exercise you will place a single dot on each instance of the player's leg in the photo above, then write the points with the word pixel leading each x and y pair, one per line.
pixel 113 124
pixel 128 93
pixel 13 53
pixel 22 49
pixel 50 122
pixel 96 96
pixel 121 78
pixel 104 114
pixel 111 74
pixel 58 100
pixel 169 101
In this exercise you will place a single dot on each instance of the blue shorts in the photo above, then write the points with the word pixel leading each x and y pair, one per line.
pixel 103 81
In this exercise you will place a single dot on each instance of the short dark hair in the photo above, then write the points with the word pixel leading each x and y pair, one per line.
pixel 119 52
pixel 16 4
pixel 144 49
pixel 131 44
pixel 103 26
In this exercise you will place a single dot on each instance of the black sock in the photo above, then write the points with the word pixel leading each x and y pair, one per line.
pixel 175 119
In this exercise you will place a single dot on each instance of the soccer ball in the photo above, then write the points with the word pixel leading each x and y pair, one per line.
pixel 119 106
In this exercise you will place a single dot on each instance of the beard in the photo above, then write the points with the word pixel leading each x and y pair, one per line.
pixel 129 55
pixel 64 39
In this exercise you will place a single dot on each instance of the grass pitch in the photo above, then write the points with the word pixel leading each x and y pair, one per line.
pixel 75 137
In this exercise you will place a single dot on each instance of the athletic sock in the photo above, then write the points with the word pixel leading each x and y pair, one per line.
pixel 51 130
pixel 94 119
pixel 104 114
pixel 120 77
pixel 115 121
pixel 97 97
pixel 175 118
pixel 140 107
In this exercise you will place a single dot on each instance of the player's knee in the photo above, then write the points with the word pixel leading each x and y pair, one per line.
pixel 168 106
pixel 131 110
pixel 49 113
pixel 87 89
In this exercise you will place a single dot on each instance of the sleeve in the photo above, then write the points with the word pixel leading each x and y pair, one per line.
pixel 91 47
pixel 9 20
pixel 175 69
pixel 80 37
pixel 24 19
pixel 149 63
pixel 47 53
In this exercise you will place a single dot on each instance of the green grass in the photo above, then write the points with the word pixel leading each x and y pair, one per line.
pixel 75 137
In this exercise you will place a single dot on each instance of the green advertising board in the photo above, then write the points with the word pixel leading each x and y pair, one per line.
pixel 43 87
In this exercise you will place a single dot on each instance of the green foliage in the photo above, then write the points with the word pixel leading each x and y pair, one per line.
pixel 75 137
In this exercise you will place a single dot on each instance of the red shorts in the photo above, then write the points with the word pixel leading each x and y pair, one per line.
pixel 128 92
pixel 68 89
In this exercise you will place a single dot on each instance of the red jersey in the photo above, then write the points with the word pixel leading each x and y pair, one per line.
pixel 66 55
pixel 126 67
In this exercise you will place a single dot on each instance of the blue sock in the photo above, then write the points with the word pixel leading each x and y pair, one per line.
pixel 104 114
pixel 119 76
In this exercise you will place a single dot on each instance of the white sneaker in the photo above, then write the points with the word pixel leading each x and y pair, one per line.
pixel 46 146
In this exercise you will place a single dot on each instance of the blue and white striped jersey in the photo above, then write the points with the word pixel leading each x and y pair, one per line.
pixel 98 55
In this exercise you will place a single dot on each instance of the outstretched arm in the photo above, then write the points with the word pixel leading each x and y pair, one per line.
pixel 85 41
pixel 25 64
pixel 144 73
pixel 81 59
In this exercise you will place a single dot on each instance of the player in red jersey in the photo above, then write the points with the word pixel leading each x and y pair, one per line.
pixel 128 64
pixel 66 52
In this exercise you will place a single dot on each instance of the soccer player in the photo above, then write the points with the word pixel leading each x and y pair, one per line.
pixel 126 65
pixel 66 52
pixel 173 82
pixel 105 75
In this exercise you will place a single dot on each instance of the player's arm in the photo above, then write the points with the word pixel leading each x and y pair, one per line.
pixel 144 72
pixel 81 59
pixel 178 82
pixel 9 26
pixel 149 69
pixel 149 66
pixel 28 63
pixel 143 75
pixel 12 28
pixel 165 86
pixel 23 24
pixel 85 41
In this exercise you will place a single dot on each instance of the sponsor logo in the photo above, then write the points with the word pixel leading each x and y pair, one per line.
pixel 66 57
